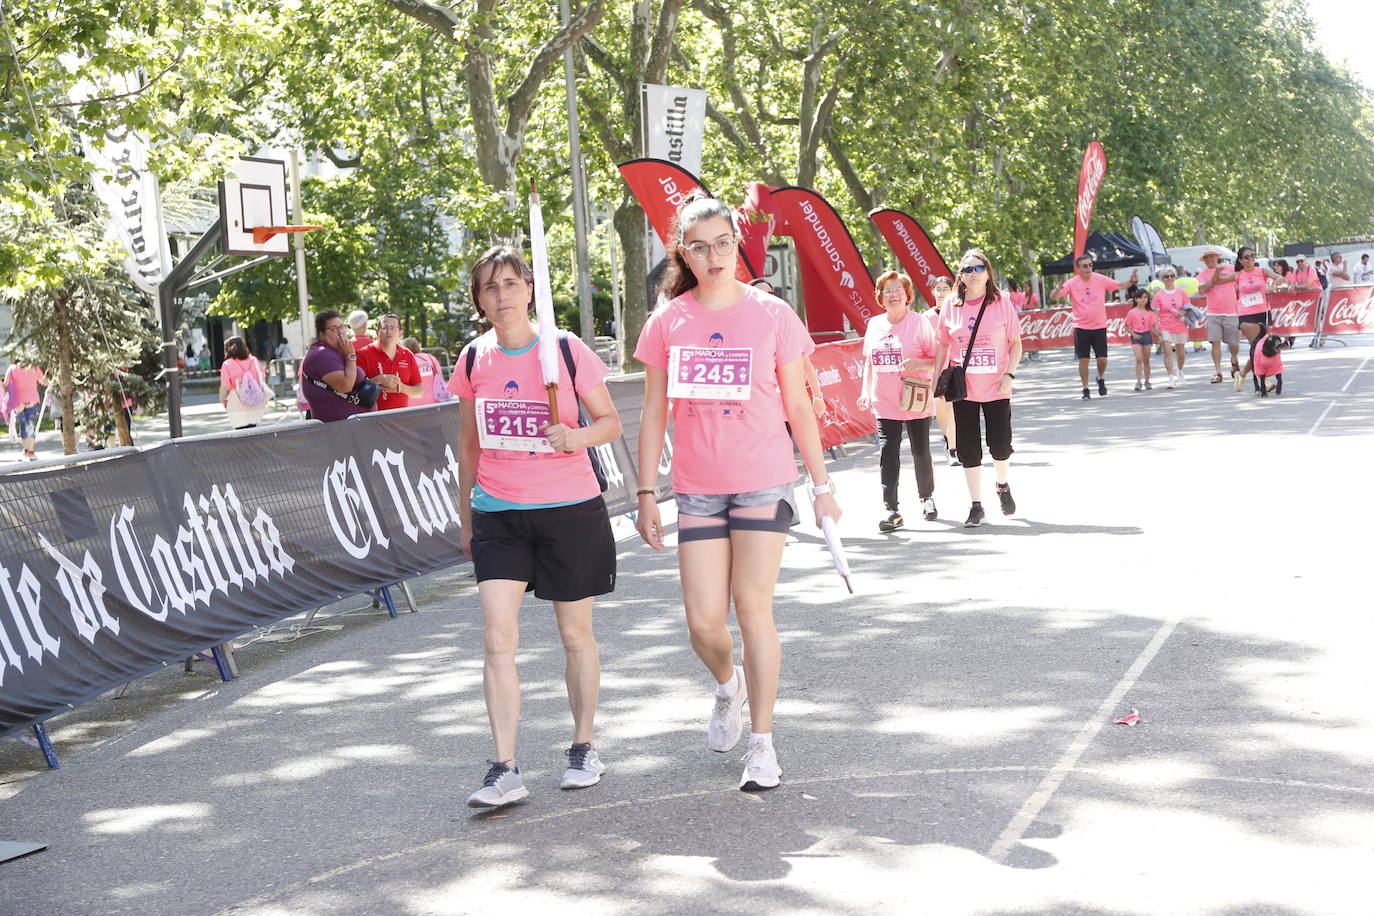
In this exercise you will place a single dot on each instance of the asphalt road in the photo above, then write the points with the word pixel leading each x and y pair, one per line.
pixel 945 733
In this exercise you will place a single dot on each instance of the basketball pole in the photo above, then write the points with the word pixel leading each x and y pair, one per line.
pixel 584 280
pixel 302 294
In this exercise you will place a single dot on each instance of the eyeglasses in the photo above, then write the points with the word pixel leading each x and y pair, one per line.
pixel 1247 257
pixel 974 269
pixel 894 292
pixel 721 247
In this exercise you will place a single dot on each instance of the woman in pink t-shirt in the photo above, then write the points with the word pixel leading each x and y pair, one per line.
pixel 531 512
pixel 1251 304
pixel 432 386
pixel 944 410
pixel 990 362
pixel 1168 303
pixel 242 385
pixel 899 353
pixel 719 353
pixel 25 405
pixel 1141 322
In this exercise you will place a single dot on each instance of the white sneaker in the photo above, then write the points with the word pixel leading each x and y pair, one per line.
pixel 761 770
pixel 584 767
pixel 726 724
pixel 1170 383
pixel 501 786
pixel 1179 377
pixel 1138 385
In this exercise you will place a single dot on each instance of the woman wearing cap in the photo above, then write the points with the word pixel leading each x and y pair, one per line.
pixel 990 372
pixel 1169 303
pixel 899 345
pixel 1218 284
pixel 1251 306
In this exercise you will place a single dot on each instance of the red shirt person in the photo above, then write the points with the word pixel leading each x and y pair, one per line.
pixel 391 366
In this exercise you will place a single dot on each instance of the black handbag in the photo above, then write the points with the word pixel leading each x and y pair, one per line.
pixel 952 385
pixel 365 395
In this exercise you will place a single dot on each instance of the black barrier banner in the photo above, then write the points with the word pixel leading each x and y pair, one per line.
pixel 109 569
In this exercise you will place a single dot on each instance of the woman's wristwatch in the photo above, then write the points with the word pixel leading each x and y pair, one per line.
pixel 822 489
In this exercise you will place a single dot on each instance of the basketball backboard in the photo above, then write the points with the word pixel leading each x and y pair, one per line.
pixel 254 196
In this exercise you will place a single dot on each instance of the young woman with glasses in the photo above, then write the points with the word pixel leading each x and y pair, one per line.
pixel 1251 304
pixel 722 352
pixel 989 374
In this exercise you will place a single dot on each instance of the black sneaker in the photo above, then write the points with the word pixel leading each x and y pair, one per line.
pixel 1086 395
pixel 975 516
pixel 928 509
pixel 1004 494
pixel 1101 387
pixel 892 522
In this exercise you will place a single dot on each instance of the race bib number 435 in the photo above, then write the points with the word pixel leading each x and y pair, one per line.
pixel 982 361
pixel 708 372
pixel 513 425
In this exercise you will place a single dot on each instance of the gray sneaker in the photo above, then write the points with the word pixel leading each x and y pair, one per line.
pixel 501 786
pixel 726 723
pixel 761 770
pixel 584 767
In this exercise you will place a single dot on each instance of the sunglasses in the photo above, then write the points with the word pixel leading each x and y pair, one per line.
pixel 974 269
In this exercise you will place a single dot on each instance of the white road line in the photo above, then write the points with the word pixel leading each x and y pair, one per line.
pixel 1344 388
pixel 1016 829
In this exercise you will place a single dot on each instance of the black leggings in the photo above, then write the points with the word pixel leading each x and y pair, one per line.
pixel 890 464
pixel 997 416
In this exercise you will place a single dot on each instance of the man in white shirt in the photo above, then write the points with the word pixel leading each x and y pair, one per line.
pixel 1337 272
pixel 1364 274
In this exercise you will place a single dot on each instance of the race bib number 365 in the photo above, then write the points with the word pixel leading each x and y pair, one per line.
pixel 708 372
pixel 512 425
pixel 887 358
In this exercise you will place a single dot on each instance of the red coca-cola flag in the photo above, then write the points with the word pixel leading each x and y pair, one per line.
pixel 840 366
pixel 824 242
pixel 1349 311
pixel 661 187
pixel 1090 177
pixel 914 250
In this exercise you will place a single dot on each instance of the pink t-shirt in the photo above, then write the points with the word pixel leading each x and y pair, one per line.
pixel 991 356
pixel 886 346
pixel 23 382
pixel 1305 277
pixel 723 389
pixel 1018 301
pixel 1250 292
pixel 1221 300
pixel 1141 320
pixel 1267 365
pixel 1168 303
pixel 233 370
pixel 511 405
pixel 430 370
pixel 1088 299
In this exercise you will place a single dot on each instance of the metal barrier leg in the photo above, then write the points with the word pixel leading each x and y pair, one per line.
pixel 45 745
pixel 218 655
pixel 228 648
pixel 385 593
pixel 410 599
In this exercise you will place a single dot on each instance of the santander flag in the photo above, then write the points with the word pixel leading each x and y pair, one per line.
pixel 661 187
pixel 825 244
pixel 1090 177
pixel 913 249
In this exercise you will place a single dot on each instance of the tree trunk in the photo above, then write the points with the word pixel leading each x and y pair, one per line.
pixel 629 226
pixel 62 315
pixel 122 422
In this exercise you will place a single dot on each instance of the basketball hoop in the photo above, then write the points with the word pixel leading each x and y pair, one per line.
pixel 262 233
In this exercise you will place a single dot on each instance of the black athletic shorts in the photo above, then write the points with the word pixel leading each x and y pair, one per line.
pixel 1083 339
pixel 1259 318
pixel 563 554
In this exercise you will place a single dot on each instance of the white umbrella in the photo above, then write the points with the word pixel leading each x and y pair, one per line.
pixel 543 305
pixel 832 540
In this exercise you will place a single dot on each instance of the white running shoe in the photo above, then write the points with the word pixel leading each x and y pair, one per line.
pixel 501 786
pixel 761 770
pixel 584 767
pixel 727 725
pixel 1170 383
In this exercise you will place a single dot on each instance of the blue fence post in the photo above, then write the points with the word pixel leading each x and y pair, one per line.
pixel 45 745
pixel 386 599
pixel 221 663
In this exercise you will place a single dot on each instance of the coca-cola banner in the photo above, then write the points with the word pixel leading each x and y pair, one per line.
pixel 1349 311
pixel 1052 329
pixel 1090 177
pixel 840 366
pixel 825 244
pixel 914 250
pixel 661 187
pixel 1294 313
